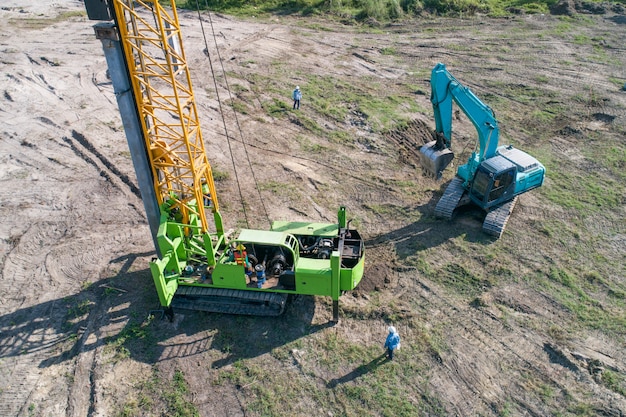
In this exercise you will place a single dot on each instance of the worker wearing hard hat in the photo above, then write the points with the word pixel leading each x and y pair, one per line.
pixel 297 96
pixel 392 343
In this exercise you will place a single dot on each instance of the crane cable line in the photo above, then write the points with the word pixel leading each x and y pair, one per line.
pixel 228 138
pixel 245 148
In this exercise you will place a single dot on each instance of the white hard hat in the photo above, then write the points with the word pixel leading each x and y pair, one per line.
pixel 297 87
pixel 392 329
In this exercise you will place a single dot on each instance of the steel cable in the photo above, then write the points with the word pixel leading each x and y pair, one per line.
pixel 245 149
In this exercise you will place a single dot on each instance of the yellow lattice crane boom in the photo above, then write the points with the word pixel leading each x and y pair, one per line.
pixel 152 44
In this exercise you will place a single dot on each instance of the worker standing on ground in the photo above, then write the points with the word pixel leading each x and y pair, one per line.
pixel 297 96
pixel 393 342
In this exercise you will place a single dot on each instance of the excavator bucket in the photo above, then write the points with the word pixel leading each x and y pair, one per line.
pixel 435 158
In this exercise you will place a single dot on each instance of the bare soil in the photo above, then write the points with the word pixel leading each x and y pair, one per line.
pixel 75 245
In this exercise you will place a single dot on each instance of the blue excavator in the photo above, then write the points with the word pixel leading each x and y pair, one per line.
pixel 494 176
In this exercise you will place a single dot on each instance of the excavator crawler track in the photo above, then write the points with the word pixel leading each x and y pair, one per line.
pixel 496 219
pixel 222 300
pixel 450 199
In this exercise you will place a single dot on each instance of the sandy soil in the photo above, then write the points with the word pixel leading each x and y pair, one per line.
pixel 74 243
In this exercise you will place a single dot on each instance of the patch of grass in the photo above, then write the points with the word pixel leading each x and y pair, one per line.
pixel 280 189
pixel 388 210
pixel 580 191
pixel 618 82
pixel 219 175
pixel 614 381
pixel 567 288
pixel 341 137
pixel 309 146
pixel 461 279
pixel 563 28
pixel 239 106
pixel 158 396
pixel 336 376
pixel 78 309
pixel 580 39
pixel 42 22
pixel 609 156
pixel 424 267
pixel 121 346
pixel 276 107
pixel 310 124
pixel 355 104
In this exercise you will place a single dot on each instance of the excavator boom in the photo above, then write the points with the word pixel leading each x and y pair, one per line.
pixel 445 89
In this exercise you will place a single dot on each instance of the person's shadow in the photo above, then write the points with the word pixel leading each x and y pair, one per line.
pixel 359 371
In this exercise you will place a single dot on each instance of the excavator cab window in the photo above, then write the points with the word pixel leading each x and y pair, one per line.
pixel 501 183
pixel 481 183
pixel 488 186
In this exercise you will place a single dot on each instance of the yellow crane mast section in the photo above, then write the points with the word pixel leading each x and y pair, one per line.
pixel 161 82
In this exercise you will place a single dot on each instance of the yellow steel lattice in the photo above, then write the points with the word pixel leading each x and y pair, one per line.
pixel 153 48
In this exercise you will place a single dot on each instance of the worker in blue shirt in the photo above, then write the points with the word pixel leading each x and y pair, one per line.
pixel 297 96
pixel 393 342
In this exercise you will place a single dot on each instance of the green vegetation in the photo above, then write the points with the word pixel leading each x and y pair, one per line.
pixel 159 396
pixel 585 297
pixel 614 381
pixel 380 10
pixel 367 384
pixel 133 335
pixel 582 192
pixel 41 22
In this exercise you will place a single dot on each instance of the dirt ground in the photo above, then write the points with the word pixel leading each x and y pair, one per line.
pixel 75 245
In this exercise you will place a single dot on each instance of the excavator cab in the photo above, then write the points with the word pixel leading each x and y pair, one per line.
pixel 435 156
pixel 494 182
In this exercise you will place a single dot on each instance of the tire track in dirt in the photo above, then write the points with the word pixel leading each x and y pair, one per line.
pixel 29 338
pixel 18 380
pixel 108 170
pixel 80 138
pixel 17 272
pixel 39 338
pixel 484 352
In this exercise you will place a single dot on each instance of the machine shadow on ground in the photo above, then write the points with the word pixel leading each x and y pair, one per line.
pixel 429 232
pixel 122 315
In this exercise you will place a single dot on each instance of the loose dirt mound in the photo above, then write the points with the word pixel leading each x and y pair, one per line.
pixel 409 139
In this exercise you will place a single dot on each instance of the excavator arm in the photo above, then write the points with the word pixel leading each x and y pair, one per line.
pixel 445 89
